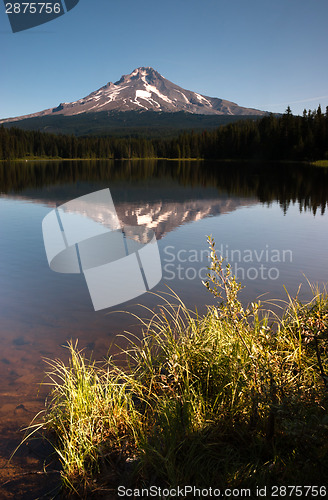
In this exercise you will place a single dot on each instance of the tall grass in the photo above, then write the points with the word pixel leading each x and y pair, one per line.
pixel 234 397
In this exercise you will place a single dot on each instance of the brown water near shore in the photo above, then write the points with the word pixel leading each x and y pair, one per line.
pixel 34 470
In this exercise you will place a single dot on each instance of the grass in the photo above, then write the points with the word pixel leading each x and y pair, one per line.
pixel 234 398
pixel 320 163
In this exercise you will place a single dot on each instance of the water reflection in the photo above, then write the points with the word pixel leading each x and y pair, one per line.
pixel 284 183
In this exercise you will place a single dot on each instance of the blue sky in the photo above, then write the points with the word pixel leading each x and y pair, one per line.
pixel 264 54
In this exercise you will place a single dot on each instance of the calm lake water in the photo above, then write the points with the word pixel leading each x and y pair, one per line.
pixel 270 221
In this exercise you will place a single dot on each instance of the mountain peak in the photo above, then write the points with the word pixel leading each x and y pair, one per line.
pixel 143 73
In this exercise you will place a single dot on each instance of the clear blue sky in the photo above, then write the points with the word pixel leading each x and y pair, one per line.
pixel 264 54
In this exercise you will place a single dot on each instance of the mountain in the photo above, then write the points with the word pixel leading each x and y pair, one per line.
pixel 145 89
pixel 143 99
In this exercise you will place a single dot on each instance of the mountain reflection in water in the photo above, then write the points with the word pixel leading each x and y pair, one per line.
pixel 155 187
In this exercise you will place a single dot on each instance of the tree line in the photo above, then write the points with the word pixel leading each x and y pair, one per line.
pixel 285 137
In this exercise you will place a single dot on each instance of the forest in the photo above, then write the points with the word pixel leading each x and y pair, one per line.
pixel 284 137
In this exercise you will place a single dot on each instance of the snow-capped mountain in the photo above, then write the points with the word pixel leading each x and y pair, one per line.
pixel 144 90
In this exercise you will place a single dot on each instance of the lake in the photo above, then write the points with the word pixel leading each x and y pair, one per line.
pixel 269 221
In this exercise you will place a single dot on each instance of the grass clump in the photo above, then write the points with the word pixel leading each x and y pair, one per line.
pixel 320 163
pixel 90 412
pixel 234 398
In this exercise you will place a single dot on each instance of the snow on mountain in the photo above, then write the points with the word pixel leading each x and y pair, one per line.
pixel 145 90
